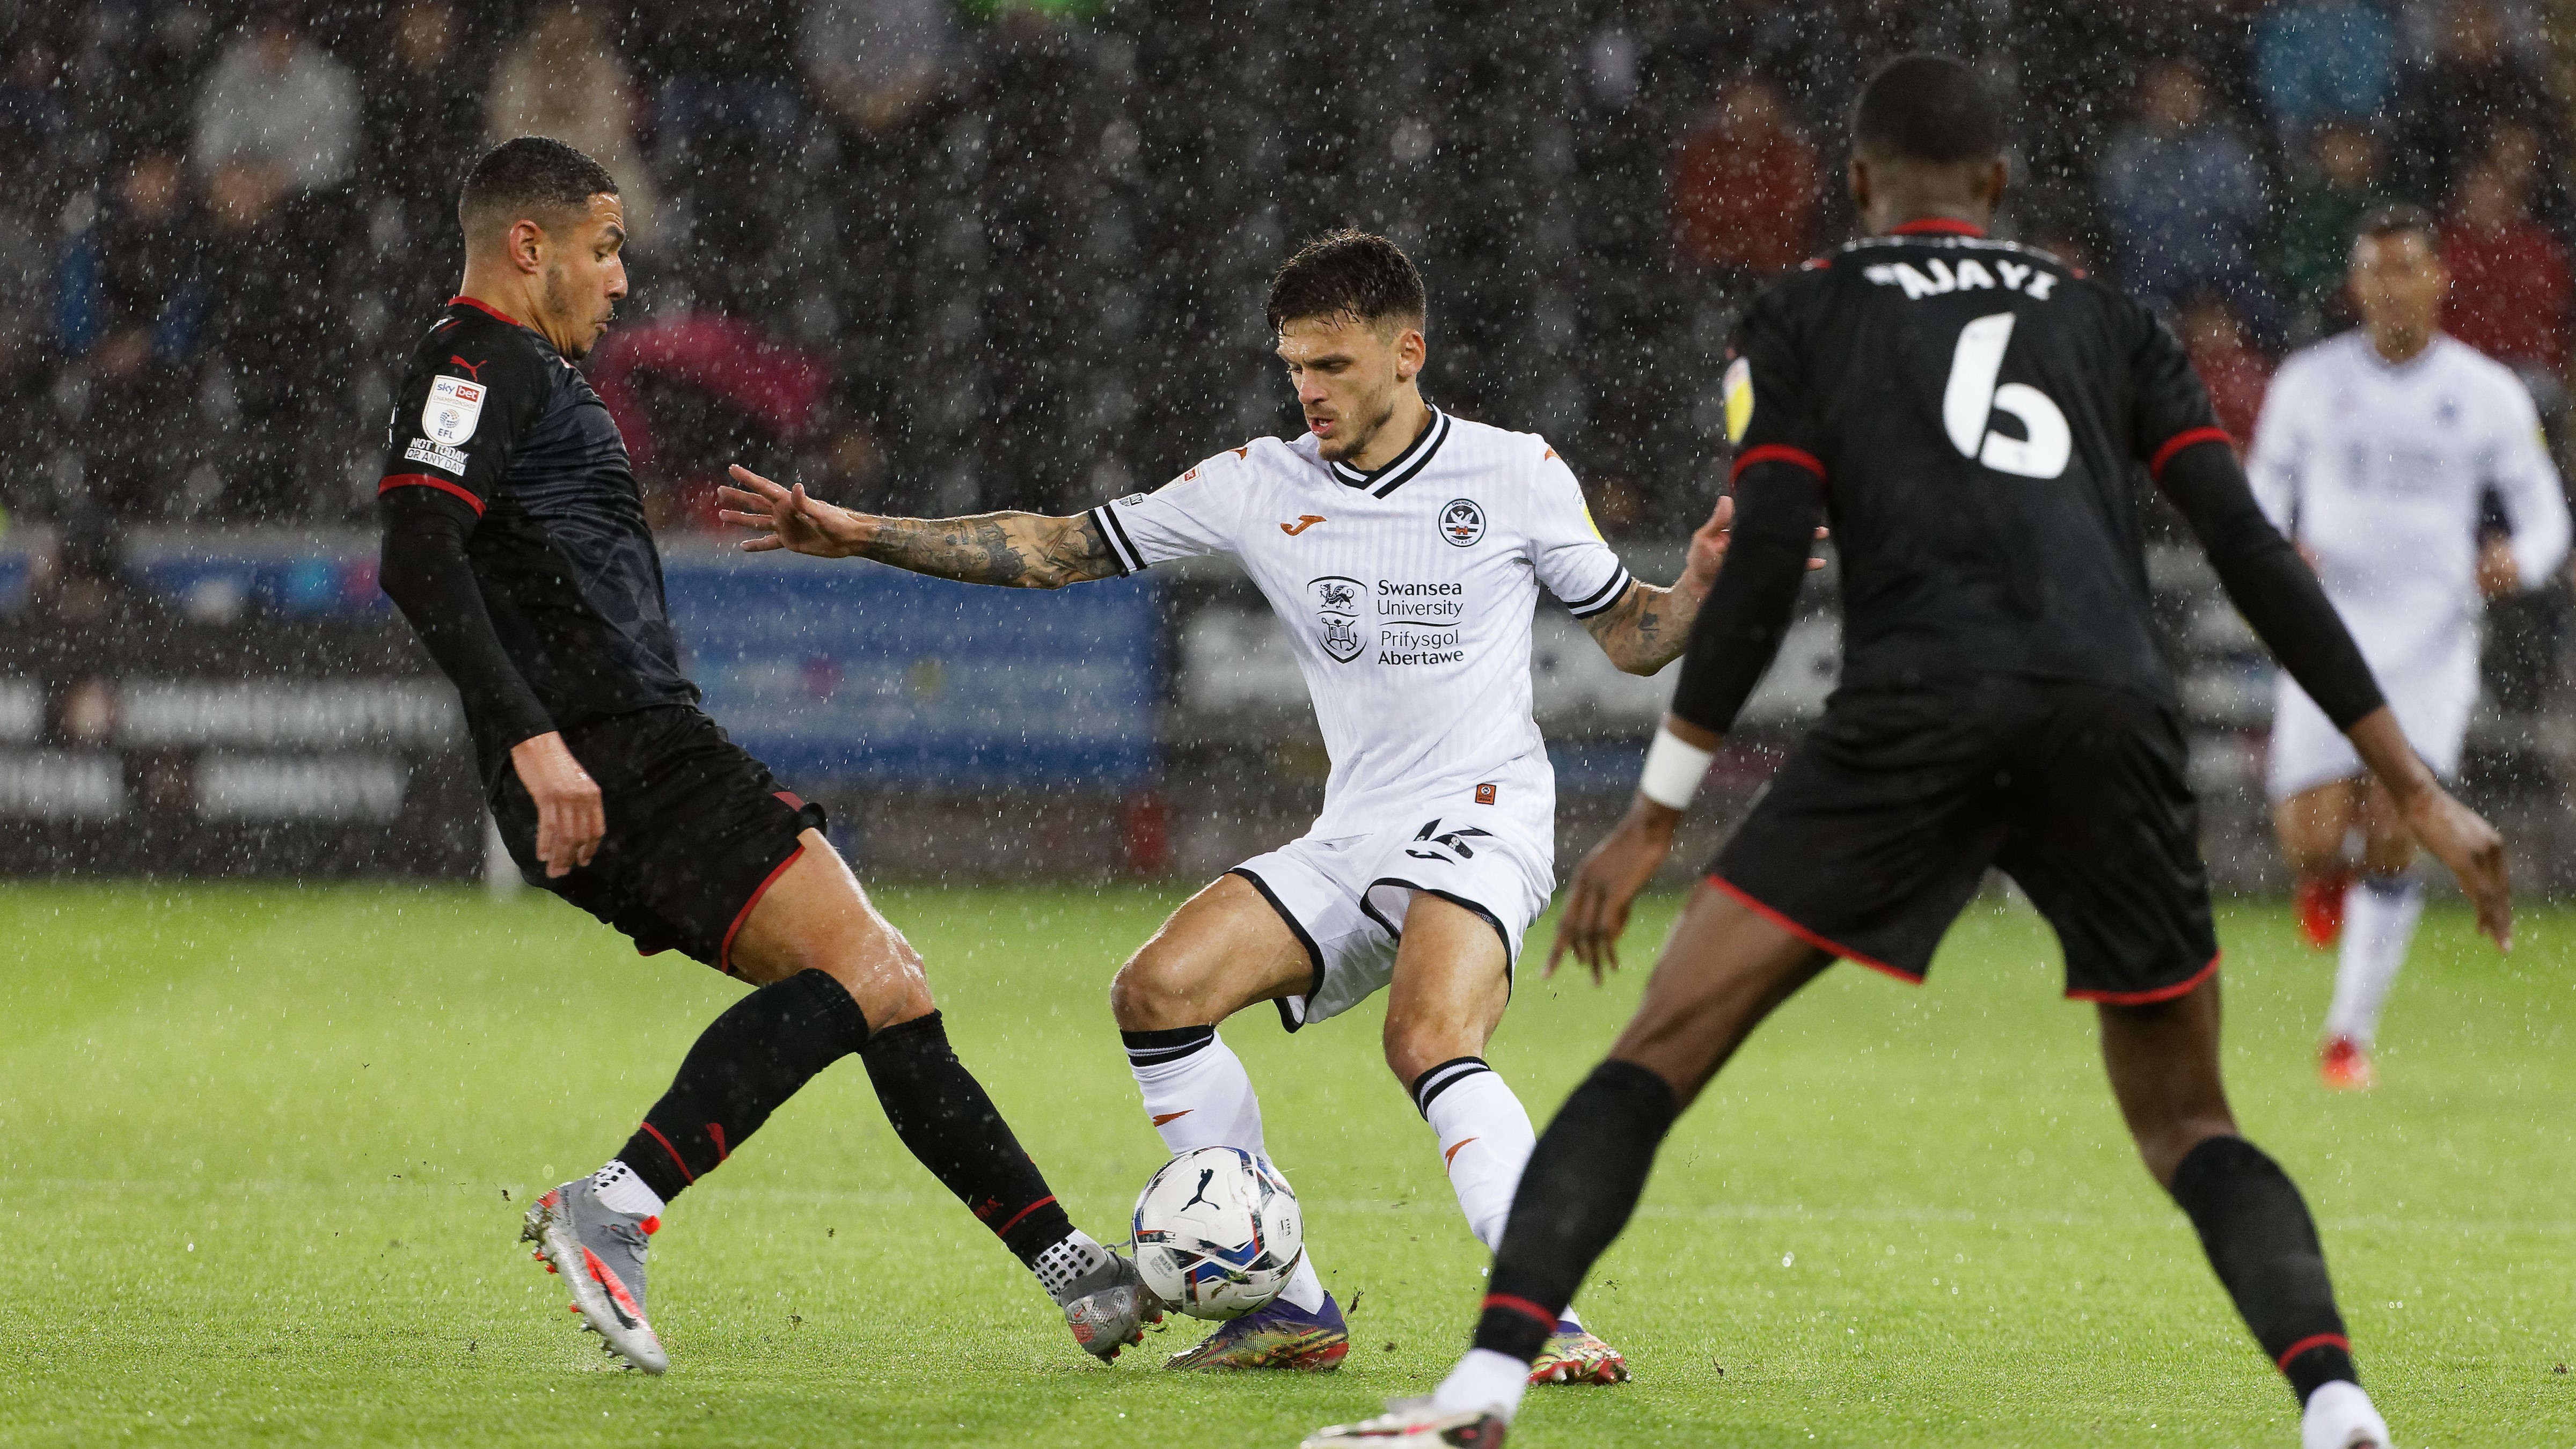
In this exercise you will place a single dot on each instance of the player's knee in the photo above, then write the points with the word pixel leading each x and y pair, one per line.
pixel 1412 1049
pixel 1152 992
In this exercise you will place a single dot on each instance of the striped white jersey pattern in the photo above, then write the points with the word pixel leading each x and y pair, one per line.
pixel 1408 594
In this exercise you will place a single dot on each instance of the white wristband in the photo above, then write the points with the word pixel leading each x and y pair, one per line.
pixel 1674 769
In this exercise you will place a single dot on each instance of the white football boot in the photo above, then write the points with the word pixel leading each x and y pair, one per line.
pixel 1415 1424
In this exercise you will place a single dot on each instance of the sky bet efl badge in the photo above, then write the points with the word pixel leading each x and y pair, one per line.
pixel 454 407
pixel 1739 399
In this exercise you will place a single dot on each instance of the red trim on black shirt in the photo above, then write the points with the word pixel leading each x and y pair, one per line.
pixel 1942 225
pixel 424 480
pixel 1776 453
pixel 485 307
pixel 2189 437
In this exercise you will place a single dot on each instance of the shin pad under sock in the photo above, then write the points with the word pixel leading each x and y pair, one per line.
pixel 941 1113
pixel 748 1060
pixel 2264 1246
pixel 1581 1184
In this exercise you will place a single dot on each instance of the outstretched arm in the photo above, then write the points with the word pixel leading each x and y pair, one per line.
pixel 1730 644
pixel 1650 627
pixel 1011 550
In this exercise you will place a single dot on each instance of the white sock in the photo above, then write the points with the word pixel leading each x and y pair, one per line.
pixel 621 1191
pixel 1483 1379
pixel 2340 1416
pixel 2379 916
pixel 1199 1095
pixel 1062 1268
pixel 1485 1142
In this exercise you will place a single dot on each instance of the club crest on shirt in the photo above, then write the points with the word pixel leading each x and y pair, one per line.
pixel 1462 522
pixel 455 406
pixel 1337 615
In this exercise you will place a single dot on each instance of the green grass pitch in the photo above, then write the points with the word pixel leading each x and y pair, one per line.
pixel 263 1153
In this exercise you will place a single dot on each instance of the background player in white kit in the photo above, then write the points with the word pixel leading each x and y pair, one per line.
pixel 2374 454
pixel 1404 549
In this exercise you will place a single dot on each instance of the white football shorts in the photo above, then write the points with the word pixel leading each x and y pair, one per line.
pixel 2431 704
pixel 1346 897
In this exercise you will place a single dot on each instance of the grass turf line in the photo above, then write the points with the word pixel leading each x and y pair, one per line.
pixel 263 1151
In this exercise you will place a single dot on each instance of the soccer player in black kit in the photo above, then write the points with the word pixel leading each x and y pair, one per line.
pixel 1971 416
pixel 515 544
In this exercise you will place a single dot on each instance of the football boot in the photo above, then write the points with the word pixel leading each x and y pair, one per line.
pixel 600 1253
pixel 1278 1335
pixel 1574 1356
pixel 1414 1424
pixel 1110 1308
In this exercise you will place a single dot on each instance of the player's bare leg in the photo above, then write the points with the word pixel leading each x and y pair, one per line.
pixel 1225 949
pixel 2163 1063
pixel 2315 829
pixel 834 978
pixel 1452 982
pixel 2374 908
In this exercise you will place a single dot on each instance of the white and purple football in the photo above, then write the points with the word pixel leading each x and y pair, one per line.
pixel 1218 1232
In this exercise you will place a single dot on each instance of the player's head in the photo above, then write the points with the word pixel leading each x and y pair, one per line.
pixel 1927 140
pixel 545 214
pixel 2397 277
pixel 1347 312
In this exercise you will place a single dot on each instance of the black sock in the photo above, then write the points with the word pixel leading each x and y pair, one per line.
pixel 742 1066
pixel 1581 1184
pixel 941 1113
pixel 2261 1241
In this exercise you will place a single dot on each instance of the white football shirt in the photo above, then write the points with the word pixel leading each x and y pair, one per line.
pixel 2379 470
pixel 1408 594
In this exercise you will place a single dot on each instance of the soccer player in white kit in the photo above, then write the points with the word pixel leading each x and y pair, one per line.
pixel 2374 453
pixel 1404 549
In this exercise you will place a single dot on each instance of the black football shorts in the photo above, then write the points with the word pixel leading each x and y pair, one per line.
pixel 697 830
pixel 1880 827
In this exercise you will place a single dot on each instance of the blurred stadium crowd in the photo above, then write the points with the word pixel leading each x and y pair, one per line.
pixel 945 254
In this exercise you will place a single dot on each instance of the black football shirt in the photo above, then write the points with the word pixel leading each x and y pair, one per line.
pixel 1977 411
pixel 491 418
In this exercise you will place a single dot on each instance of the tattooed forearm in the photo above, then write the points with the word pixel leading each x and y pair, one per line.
pixel 975 550
pixel 1010 550
pixel 1074 552
pixel 1647 629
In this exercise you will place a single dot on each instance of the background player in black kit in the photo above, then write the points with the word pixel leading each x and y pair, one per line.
pixel 515 543
pixel 1972 416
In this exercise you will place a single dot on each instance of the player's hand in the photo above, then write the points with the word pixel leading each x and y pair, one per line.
pixel 790 518
pixel 570 821
pixel 1607 883
pixel 2459 838
pixel 2498 574
pixel 1708 550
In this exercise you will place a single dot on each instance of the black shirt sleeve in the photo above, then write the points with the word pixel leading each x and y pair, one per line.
pixel 473 386
pixel 2270 584
pixel 1779 481
pixel 425 572
pixel 471 390
pixel 2264 576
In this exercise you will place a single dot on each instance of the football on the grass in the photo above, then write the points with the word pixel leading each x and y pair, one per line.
pixel 1217 1232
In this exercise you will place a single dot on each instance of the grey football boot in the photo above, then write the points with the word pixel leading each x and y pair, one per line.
pixel 1107 1308
pixel 601 1254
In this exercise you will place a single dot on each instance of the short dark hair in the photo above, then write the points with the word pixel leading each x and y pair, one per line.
pixel 1925 107
pixel 1347 273
pixel 533 177
pixel 2398 219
